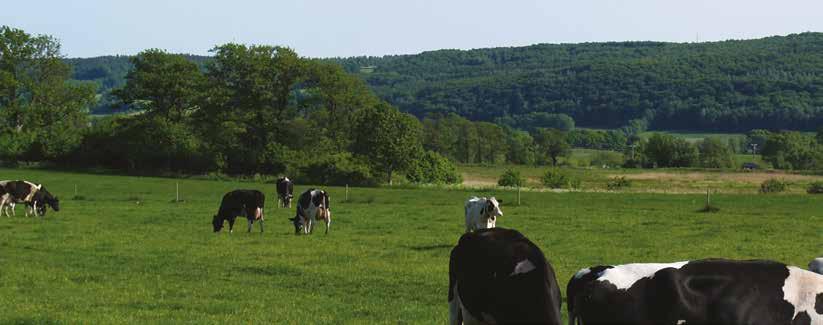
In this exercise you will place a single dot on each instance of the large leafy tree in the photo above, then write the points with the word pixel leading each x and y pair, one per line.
pixel 388 138
pixel 552 143
pixel 715 153
pixel 42 113
pixel 163 84
pixel 664 150
pixel 792 150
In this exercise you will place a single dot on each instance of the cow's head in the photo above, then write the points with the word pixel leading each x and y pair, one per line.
pixel 493 208
pixel 298 224
pixel 53 202
pixel 217 222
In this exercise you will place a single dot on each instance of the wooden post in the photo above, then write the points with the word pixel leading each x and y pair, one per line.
pixel 347 193
pixel 708 199
pixel 177 192
pixel 518 195
pixel 75 190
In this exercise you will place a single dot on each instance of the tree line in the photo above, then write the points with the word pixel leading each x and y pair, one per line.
pixel 249 110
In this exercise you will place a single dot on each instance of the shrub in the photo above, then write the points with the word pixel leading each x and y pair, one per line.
pixel 433 168
pixel 555 178
pixel 608 159
pixel 815 188
pixel 617 183
pixel 340 169
pixel 772 186
pixel 511 178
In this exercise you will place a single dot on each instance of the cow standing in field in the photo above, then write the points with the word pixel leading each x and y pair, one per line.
pixel 712 291
pixel 482 213
pixel 35 196
pixel 498 276
pixel 248 203
pixel 285 191
pixel 313 204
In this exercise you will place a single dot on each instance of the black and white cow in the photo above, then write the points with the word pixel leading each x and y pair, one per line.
pixel 482 213
pixel 25 192
pixel 313 204
pixel 816 265
pixel 285 191
pixel 711 291
pixel 248 203
pixel 498 276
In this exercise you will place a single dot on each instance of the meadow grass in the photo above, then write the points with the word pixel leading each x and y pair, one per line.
pixel 126 253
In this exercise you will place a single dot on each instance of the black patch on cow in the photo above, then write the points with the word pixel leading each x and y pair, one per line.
pixel 802 319
pixel 285 190
pixel 238 203
pixel 818 304
pixel 481 267
pixel 713 291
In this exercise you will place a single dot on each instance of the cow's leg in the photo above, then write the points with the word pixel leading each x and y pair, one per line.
pixel 13 212
pixel 231 225
pixel 3 207
pixel 454 309
pixel 328 222
pixel 251 222
pixel 261 226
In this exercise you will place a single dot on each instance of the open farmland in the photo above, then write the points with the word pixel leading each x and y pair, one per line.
pixel 660 180
pixel 123 251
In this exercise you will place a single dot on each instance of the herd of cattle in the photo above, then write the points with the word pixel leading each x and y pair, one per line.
pixel 312 205
pixel 498 276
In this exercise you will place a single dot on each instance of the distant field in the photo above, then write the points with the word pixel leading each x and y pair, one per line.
pixel 661 180
pixel 126 254
pixel 697 136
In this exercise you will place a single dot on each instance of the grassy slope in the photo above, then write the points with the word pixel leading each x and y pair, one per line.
pixel 108 259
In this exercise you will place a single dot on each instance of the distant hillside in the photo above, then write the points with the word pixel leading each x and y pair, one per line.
pixel 774 83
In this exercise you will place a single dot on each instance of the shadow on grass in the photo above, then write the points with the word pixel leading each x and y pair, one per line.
pixel 430 247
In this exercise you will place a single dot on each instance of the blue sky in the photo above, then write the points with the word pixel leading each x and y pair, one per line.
pixel 372 27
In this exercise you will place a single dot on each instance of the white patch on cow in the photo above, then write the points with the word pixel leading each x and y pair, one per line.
pixel 624 276
pixel 524 266
pixel 456 306
pixel 682 321
pixel 801 289
pixel 582 273
pixel 816 265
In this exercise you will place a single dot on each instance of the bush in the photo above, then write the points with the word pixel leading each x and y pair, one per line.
pixel 433 168
pixel 340 169
pixel 772 186
pixel 511 178
pixel 815 188
pixel 617 183
pixel 555 178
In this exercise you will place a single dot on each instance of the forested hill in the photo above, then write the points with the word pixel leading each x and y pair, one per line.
pixel 772 83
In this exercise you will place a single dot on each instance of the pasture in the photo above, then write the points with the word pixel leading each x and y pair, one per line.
pixel 124 252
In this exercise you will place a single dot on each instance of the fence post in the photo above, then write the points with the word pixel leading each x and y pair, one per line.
pixel 708 199
pixel 518 195
pixel 347 193
pixel 177 192
pixel 75 190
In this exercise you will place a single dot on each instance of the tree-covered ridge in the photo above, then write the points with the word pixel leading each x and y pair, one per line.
pixel 770 83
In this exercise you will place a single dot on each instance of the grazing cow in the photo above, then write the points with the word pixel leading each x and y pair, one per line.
pixel 18 192
pixel 498 276
pixel 285 191
pixel 816 265
pixel 711 291
pixel 249 203
pixel 313 204
pixel 41 200
pixel 482 213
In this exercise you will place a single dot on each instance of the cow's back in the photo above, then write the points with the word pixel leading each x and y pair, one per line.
pixel 712 291
pixel 498 274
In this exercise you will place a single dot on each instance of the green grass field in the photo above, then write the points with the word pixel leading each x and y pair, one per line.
pixel 126 253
